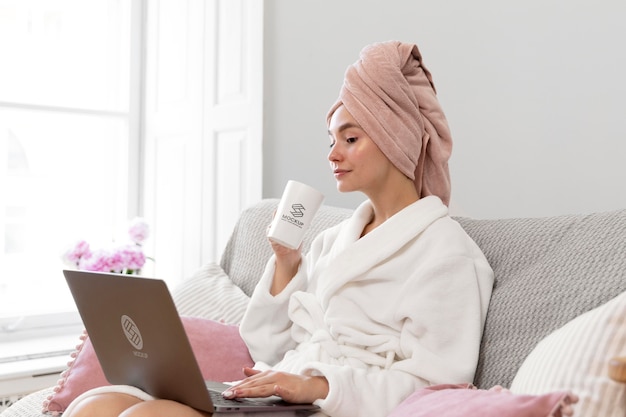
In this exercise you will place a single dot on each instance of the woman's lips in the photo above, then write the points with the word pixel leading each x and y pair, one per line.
pixel 340 172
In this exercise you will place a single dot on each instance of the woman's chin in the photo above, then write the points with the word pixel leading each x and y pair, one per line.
pixel 342 188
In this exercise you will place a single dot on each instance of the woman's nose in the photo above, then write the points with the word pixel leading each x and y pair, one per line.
pixel 333 155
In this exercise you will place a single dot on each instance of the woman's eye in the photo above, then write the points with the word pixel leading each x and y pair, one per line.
pixel 332 143
pixel 351 140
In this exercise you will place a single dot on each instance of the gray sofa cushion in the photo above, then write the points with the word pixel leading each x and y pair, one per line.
pixel 248 250
pixel 547 272
pixel 29 406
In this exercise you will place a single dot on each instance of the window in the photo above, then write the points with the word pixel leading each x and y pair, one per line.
pixel 66 147
pixel 115 108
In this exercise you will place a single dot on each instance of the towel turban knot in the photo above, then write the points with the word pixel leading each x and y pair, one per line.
pixel 391 95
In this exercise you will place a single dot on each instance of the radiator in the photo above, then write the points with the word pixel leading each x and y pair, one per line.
pixel 28 377
pixel 29 364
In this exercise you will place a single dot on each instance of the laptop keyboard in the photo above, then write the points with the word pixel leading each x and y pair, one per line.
pixel 218 399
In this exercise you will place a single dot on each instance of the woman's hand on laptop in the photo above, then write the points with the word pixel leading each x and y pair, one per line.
pixel 301 389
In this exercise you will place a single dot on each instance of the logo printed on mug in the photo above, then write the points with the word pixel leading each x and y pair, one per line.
pixel 297 210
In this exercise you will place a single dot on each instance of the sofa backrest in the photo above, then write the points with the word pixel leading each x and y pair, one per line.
pixel 248 250
pixel 547 272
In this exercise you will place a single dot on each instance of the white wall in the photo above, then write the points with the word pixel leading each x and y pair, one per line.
pixel 534 91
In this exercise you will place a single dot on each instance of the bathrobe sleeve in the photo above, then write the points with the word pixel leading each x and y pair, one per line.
pixel 266 326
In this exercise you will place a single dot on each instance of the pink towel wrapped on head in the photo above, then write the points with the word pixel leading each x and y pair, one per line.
pixel 391 95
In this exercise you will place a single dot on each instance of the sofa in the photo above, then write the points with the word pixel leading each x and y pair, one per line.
pixel 556 319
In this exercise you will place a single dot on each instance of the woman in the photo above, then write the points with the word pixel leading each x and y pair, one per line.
pixel 394 298
pixel 390 300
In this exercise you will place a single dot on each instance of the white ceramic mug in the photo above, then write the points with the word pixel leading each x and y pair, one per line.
pixel 294 214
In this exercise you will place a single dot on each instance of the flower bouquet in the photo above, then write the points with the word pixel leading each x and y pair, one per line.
pixel 127 258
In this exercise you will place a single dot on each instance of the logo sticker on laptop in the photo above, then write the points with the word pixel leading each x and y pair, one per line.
pixel 132 332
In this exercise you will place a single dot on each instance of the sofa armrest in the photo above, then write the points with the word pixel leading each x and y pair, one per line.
pixel 29 406
pixel 617 369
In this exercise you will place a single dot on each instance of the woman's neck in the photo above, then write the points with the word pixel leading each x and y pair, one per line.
pixel 390 202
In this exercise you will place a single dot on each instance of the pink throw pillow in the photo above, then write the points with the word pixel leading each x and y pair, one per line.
pixel 218 347
pixel 467 401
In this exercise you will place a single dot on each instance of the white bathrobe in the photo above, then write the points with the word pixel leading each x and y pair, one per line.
pixel 379 316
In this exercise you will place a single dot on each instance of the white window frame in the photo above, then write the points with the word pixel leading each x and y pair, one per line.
pixel 232 134
pixel 15 328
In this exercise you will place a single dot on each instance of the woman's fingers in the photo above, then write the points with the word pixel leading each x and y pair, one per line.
pixel 290 387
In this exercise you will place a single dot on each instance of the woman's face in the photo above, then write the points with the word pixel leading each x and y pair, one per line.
pixel 357 162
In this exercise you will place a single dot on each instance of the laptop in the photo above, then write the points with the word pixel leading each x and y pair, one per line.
pixel 139 339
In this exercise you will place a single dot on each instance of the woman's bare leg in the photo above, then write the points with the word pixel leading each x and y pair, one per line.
pixel 162 408
pixel 104 405
pixel 124 405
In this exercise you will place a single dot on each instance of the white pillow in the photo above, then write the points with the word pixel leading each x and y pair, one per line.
pixel 576 356
pixel 210 294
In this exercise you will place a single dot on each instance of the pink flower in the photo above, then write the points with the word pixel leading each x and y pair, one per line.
pixel 80 251
pixel 138 230
pixel 116 261
pixel 99 261
pixel 132 257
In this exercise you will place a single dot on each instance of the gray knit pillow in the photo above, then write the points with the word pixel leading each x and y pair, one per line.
pixel 547 272
pixel 248 250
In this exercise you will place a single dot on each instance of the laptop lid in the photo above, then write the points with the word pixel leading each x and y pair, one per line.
pixel 139 339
